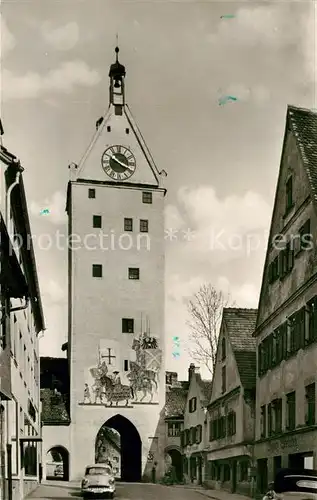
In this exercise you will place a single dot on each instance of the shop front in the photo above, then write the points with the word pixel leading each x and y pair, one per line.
pixel 231 469
pixel 296 450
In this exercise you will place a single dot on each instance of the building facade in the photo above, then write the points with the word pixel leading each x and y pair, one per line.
pixel 115 206
pixel 21 323
pixel 231 411
pixel 194 433
pixel 286 333
pixel 176 397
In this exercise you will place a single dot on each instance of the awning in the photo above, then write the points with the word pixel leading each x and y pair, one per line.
pixel 11 275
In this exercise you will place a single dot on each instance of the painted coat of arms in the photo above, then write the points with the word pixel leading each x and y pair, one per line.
pixel 142 375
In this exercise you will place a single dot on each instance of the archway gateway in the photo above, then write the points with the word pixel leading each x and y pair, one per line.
pixel 128 448
pixel 57 463
pixel 177 462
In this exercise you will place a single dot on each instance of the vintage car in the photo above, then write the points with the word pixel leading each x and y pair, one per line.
pixel 99 482
pixel 291 484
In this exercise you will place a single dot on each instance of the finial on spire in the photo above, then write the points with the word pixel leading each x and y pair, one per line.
pixel 117 75
pixel 117 47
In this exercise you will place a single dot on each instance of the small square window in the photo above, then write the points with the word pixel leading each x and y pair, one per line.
pixel 146 197
pixel 96 221
pixel 128 224
pixel 127 131
pixel 108 128
pixel 91 193
pixel 97 271
pixel 144 226
pixel 127 325
pixel 134 273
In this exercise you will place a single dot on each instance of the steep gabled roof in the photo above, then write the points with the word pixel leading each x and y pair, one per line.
pixel 206 387
pixel 240 325
pixel 175 402
pixel 303 123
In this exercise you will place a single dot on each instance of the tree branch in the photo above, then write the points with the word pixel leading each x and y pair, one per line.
pixel 205 311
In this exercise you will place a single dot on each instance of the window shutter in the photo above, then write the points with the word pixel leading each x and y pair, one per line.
pixel 182 439
pixel 198 434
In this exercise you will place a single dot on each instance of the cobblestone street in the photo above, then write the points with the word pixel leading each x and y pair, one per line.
pixel 125 491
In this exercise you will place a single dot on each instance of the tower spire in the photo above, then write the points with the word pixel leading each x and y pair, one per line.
pixel 117 74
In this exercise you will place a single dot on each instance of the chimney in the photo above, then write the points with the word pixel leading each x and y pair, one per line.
pixel 171 378
pixel 191 371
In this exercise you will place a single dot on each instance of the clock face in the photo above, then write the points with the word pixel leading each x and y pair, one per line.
pixel 118 162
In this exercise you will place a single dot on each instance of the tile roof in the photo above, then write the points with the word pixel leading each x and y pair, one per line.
pixel 303 123
pixel 53 407
pixel 175 402
pixel 240 325
pixel 206 386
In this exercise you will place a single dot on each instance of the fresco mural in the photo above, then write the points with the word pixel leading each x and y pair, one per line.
pixel 110 384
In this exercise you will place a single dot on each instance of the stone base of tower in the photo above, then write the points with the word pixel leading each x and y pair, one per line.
pixel 142 432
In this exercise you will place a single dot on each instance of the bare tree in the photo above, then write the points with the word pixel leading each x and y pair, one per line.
pixel 205 310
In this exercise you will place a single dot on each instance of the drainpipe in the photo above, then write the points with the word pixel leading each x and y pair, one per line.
pixel 8 194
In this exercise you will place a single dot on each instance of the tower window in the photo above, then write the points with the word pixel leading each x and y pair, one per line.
pixel 97 271
pixel 134 273
pixel 144 226
pixel 128 224
pixel 108 128
pixel 127 130
pixel 126 365
pixel 91 193
pixel 146 197
pixel 127 325
pixel 96 221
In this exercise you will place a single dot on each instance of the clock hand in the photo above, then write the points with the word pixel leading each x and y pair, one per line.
pixel 113 157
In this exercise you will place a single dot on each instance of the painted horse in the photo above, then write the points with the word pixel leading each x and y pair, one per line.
pixel 138 383
pixel 140 363
pixel 117 392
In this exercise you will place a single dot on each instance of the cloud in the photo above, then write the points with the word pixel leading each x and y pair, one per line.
pixel 227 228
pixel 173 218
pixel 7 39
pixel 179 290
pixel 270 25
pixel 244 295
pixel 62 79
pixel 55 204
pixel 62 38
pixel 270 38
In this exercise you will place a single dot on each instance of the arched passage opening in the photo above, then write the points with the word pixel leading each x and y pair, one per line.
pixel 177 462
pixel 57 463
pixel 119 441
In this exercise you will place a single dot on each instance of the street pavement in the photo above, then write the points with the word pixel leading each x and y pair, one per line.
pixel 125 491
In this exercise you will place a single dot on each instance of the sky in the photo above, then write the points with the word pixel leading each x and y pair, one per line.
pixel 222 161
